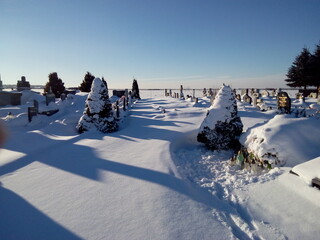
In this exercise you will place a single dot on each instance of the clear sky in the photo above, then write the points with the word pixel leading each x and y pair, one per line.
pixel 162 43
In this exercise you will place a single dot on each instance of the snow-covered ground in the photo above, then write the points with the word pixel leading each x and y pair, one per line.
pixel 151 179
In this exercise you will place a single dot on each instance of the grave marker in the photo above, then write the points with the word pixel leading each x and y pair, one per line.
pixel 32 112
pixel 284 102
pixel 246 98
pixel 50 97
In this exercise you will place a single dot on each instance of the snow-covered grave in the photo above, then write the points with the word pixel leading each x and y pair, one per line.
pixel 152 179
pixel 309 171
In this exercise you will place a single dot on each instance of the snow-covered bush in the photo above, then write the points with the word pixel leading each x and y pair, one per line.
pixel 284 140
pixel 222 126
pixel 98 112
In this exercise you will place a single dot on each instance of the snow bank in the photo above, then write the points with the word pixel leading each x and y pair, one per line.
pixel 308 170
pixel 284 140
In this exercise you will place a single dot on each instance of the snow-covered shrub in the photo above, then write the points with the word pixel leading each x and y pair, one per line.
pixel 222 126
pixel 98 112
pixel 284 140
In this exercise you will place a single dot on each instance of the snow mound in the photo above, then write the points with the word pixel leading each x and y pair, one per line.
pixel 284 140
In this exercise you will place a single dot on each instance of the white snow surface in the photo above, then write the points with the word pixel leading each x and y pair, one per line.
pixel 149 180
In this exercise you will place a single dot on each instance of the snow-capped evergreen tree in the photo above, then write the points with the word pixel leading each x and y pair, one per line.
pixel 98 110
pixel 222 126
pixel 135 89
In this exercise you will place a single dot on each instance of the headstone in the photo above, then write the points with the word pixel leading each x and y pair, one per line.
pixel 247 99
pixel 63 96
pixel 244 91
pixel 254 100
pixel 32 112
pixel 1 86
pixel 181 92
pixel 265 93
pixel 284 102
pixel 204 92
pixel 273 93
pixel 124 103
pixel 23 84
pixel 50 97
pixel 36 104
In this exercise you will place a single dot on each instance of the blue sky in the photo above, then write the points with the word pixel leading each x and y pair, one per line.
pixel 162 43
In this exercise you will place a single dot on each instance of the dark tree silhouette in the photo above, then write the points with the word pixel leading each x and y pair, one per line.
pixel 87 82
pixel 135 89
pixel 299 73
pixel 315 68
pixel 55 85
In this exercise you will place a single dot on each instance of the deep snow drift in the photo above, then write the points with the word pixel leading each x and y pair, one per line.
pixel 149 180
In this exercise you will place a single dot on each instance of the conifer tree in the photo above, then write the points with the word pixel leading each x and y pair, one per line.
pixel 315 68
pixel 222 126
pixel 98 113
pixel 135 89
pixel 87 82
pixel 299 73
pixel 55 84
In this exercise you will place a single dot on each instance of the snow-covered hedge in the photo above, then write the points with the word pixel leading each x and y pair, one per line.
pixel 222 125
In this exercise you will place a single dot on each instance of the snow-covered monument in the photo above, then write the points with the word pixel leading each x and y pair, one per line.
pixel 222 126
pixel 98 113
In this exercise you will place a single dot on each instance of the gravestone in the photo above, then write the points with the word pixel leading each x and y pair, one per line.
pixel 181 92
pixel 254 100
pixel 284 102
pixel 32 112
pixel 265 93
pixel 50 97
pixel 23 84
pixel 36 104
pixel 204 92
pixel 244 91
pixel 1 86
pixel 63 96
pixel 247 99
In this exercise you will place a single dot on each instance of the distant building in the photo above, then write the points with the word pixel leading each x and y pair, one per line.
pixel 23 84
